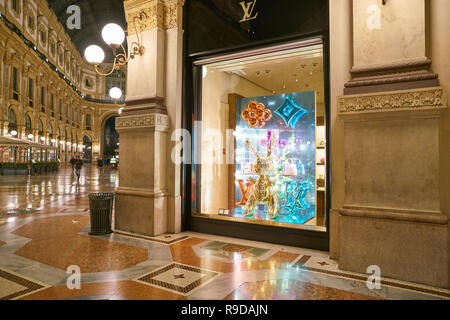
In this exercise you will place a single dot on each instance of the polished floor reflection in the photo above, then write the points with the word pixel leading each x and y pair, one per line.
pixel 44 230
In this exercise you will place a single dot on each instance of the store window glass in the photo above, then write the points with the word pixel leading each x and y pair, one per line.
pixel 260 139
pixel 15 5
pixel 28 124
pixel 30 92
pixel 15 83
pixel 12 120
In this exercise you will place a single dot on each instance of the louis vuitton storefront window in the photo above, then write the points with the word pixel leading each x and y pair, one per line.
pixel 259 131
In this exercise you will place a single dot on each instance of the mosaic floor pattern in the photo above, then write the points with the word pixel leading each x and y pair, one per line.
pixel 13 286
pixel 37 247
pixel 178 278
pixel 291 290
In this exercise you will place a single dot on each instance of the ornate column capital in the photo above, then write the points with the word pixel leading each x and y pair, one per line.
pixel 151 14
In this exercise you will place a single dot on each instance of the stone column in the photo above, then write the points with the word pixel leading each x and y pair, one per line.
pixel 143 195
pixel 392 215
pixel 173 13
pixel 21 132
pixel 35 133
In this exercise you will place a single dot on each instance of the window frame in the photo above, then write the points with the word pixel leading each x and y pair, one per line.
pixel 30 92
pixel 15 83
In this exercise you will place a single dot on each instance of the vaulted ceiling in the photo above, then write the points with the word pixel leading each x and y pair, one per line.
pixel 95 14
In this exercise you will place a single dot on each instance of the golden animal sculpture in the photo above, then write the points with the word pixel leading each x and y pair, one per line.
pixel 262 187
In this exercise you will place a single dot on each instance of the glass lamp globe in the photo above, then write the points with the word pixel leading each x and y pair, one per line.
pixel 61 142
pixel 53 140
pixel 14 133
pixel 42 139
pixel 68 143
pixel 94 54
pixel 30 136
pixel 113 35
pixel 115 93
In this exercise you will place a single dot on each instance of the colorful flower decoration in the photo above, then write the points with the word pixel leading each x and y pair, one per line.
pixel 290 112
pixel 256 114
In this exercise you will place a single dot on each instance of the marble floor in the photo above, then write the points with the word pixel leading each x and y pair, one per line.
pixel 44 237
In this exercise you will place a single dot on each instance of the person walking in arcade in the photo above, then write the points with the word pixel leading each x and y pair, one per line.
pixel 78 166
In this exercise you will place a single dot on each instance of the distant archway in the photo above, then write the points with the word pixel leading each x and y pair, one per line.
pixel 28 125
pixel 12 120
pixel 87 151
pixel 110 139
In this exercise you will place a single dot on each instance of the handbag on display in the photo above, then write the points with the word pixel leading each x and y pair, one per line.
pixel 290 168
pixel 247 168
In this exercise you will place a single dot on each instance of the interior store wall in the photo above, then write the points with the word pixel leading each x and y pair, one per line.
pixel 217 85
pixel 341 61
pixel 377 239
pixel 438 50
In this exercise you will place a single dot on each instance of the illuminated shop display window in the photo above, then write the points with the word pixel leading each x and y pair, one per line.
pixel 275 159
pixel 263 140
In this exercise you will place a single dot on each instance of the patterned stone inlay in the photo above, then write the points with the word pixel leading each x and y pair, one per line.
pixel 143 121
pixel 291 290
pixel 165 238
pixel 330 267
pixel 57 243
pixel 17 212
pixel 411 99
pixel 233 251
pixel 178 278
pixel 90 254
pixel 13 286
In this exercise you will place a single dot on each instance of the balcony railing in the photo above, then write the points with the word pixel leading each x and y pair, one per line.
pixel 106 99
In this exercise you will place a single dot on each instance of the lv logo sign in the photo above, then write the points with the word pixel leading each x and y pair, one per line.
pixel 248 8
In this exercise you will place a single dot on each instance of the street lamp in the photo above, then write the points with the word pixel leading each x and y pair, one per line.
pixel 94 54
pixel 115 93
pixel 114 36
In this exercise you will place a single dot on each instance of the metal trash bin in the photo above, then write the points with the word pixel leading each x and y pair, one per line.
pixel 100 205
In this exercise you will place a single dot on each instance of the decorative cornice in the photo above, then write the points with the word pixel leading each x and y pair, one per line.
pixel 158 122
pixel 144 105
pixel 394 76
pixel 417 99
pixel 391 68
pixel 395 214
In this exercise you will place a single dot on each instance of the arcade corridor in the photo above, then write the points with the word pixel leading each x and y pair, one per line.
pixel 44 225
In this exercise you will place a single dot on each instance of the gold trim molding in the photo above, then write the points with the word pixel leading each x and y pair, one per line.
pixel 151 14
pixel 159 122
pixel 416 99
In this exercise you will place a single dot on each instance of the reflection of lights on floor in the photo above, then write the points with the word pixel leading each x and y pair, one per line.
pixel 11 220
